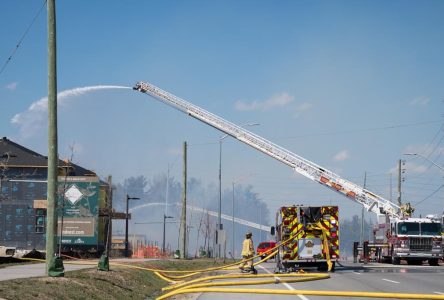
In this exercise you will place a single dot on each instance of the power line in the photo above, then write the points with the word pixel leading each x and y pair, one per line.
pixel 22 38
pixel 427 155
pixel 364 129
pixel 437 190
pixel 336 132
pixel 431 142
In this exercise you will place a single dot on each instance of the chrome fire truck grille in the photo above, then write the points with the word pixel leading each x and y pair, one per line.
pixel 420 244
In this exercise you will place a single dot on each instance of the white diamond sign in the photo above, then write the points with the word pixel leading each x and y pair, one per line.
pixel 73 194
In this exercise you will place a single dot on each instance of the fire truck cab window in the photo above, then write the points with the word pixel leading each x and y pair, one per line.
pixel 430 229
pixel 408 228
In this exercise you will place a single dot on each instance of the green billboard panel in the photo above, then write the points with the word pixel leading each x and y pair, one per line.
pixel 79 206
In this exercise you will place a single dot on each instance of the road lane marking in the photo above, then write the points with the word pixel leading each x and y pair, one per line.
pixel 439 293
pixel 357 273
pixel 285 284
pixel 390 280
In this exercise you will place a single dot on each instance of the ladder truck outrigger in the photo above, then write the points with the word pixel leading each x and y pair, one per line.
pixel 399 236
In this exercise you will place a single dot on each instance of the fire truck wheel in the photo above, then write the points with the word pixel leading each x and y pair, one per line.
pixel 433 262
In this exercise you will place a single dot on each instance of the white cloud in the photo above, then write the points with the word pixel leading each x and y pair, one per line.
pixel 31 120
pixel 278 100
pixel 342 155
pixel 420 101
pixel 12 86
pixel 175 151
pixel 304 106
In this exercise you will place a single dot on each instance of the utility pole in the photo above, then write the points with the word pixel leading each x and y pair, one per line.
pixel 103 264
pixel 219 215
pixel 128 198
pixel 399 183
pixel 183 218
pixel 390 197
pixel 362 214
pixel 232 215
pixel 54 265
pixel 208 234
pixel 167 188
pixel 163 239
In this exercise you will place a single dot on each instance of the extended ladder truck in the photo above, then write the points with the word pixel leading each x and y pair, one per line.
pixel 403 237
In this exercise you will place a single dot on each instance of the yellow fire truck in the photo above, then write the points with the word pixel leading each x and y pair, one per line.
pixel 309 237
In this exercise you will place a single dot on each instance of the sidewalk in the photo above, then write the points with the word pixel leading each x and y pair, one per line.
pixel 38 270
pixel 33 270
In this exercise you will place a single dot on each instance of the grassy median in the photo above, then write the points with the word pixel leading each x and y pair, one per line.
pixel 118 283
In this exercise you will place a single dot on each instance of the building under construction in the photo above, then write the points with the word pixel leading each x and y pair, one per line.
pixel 83 206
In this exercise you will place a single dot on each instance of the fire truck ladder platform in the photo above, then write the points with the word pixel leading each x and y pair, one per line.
pixel 369 200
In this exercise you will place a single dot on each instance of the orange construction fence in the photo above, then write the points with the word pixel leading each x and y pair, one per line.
pixel 149 252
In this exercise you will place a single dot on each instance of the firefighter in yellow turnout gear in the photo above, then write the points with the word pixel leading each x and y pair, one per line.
pixel 247 253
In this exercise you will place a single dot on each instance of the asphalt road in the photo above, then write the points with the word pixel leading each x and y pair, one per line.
pixel 354 277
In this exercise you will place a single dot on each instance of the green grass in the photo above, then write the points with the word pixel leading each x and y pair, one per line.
pixel 119 283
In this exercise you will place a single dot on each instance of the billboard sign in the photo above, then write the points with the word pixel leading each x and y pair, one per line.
pixel 78 198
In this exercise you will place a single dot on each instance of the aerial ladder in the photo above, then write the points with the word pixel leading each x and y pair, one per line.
pixel 358 194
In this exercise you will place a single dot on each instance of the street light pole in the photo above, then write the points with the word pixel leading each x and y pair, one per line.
pixel 219 219
pixel 232 215
pixel 128 198
pixel 163 240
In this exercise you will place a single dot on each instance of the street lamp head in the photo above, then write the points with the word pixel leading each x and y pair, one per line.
pixel 132 198
pixel 410 153
pixel 427 159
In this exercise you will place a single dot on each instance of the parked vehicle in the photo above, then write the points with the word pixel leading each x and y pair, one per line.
pixel 264 249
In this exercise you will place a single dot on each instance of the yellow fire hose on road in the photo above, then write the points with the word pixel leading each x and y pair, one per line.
pixel 200 283
pixel 310 292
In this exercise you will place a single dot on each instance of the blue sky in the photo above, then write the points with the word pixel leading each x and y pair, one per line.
pixel 349 85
